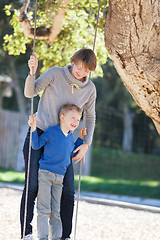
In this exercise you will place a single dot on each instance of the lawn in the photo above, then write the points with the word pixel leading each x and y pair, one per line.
pixel 11 176
pixel 146 189
pixel 149 189
pixel 113 172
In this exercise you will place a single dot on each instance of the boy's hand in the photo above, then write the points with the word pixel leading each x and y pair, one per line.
pixel 83 133
pixel 33 64
pixel 32 122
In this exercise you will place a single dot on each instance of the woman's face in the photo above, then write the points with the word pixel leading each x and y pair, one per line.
pixel 79 71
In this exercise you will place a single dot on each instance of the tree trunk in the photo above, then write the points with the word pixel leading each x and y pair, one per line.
pixel 23 114
pixel 132 36
pixel 19 93
pixel 127 130
pixel 1 100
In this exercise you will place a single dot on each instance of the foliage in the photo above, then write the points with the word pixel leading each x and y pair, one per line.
pixel 5 28
pixel 110 89
pixel 116 164
pixel 77 31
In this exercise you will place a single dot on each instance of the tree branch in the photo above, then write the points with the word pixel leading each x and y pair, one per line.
pixel 43 33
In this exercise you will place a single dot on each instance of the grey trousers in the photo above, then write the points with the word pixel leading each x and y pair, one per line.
pixel 49 224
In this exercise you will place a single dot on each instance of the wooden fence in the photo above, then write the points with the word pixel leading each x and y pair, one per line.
pixel 9 137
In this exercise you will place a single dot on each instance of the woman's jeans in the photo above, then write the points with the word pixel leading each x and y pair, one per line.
pixel 67 199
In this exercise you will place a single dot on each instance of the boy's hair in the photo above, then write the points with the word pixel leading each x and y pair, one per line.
pixel 69 107
pixel 87 56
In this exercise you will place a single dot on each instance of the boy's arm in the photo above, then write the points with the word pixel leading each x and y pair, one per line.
pixel 78 142
pixel 35 140
pixel 39 141
pixel 80 149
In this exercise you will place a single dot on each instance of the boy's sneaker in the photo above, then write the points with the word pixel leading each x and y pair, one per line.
pixel 29 237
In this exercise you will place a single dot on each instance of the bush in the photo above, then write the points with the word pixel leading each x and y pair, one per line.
pixel 116 164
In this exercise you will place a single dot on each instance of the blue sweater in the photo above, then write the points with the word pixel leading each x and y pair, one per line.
pixel 57 149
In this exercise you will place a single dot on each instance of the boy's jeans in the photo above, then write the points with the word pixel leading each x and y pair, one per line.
pixel 67 199
pixel 48 205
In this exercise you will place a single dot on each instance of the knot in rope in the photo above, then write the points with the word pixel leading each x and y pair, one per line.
pixel 74 85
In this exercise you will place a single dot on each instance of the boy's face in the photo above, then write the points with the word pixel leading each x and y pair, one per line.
pixel 70 120
pixel 79 71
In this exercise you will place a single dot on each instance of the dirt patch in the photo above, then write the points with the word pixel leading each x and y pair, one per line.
pixel 95 221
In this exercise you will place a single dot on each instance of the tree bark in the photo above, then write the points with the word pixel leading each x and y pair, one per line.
pixel 132 36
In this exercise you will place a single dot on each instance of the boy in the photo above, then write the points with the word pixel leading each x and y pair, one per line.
pixel 58 142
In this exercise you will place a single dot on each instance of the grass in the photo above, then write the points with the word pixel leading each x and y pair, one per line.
pixel 147 189
pixel 115 164
pixel 10 176
pixel 113 172
pixel 133 174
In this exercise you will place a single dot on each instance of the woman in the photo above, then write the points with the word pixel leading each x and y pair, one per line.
pixel 60 85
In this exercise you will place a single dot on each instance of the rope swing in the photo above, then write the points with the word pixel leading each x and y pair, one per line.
pixel 30 140
pixel 80 166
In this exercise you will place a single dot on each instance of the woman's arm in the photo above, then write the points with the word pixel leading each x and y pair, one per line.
pixel 41 83
pixel 89 117
pixel 89 123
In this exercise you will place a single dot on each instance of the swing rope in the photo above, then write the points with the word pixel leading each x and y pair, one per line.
pixel 30 140
pixel 95 35
pixel 80 166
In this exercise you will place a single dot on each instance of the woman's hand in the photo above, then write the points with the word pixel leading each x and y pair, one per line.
pixel 33 64
pixel 82 149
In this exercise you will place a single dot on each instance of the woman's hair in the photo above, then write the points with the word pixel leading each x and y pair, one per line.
pixel 69 107
pixel 87 56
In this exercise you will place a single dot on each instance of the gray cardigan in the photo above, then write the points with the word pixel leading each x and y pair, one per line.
pixel 60 87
